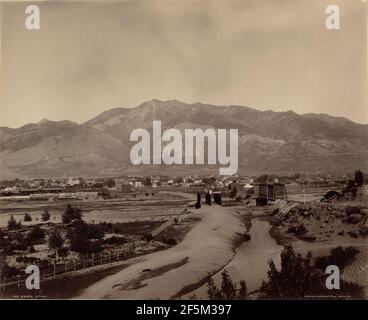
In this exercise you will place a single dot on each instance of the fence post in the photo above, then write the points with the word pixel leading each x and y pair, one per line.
pixel 18 277
pixel 84 262
pixel 93 257
pixel 101 257
pixel 110 257
pixel 74 268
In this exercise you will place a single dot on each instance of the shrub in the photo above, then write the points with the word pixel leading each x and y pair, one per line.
pixel 338 256
pixel 55 240
pixel 72 213
pixel 35 235
pixel 9 272
pixel 359 178
pixel 63 252
pixel 298 231
pixel 46 215
pixel 85 238
pixel 246 237
pixel 13 224
pixel 352 210
pixel 115 240
pixel 27 217
pixel 5 244
pixel 170 241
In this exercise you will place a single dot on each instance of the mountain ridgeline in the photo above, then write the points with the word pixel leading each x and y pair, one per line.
pixel 269 142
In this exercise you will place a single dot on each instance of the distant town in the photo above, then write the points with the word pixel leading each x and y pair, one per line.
pixel 93 188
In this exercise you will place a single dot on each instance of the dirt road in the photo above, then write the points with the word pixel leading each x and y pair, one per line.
pixel 164 275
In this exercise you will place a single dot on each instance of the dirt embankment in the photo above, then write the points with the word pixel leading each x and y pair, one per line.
pixel 319 227
pixel 320 222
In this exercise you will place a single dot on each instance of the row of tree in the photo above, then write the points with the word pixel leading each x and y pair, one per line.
pixel 13 224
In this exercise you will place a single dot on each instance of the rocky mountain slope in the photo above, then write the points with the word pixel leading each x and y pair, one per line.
pixel 269 142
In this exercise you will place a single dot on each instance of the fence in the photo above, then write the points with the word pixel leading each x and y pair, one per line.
pixel 162 227
pixel 50 270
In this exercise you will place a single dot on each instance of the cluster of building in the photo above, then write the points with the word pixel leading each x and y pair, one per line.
pixel 92 188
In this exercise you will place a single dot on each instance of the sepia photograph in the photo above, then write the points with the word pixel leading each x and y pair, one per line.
pixel 202 150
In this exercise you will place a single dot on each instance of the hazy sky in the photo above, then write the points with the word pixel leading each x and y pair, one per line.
pixel 92 56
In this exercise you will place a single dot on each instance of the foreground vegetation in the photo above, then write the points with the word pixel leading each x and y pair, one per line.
pixel 300 278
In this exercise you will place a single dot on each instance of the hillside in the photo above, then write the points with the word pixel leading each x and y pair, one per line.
pixel 270 142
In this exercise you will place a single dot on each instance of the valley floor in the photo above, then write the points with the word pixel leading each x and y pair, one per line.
pixel 172 272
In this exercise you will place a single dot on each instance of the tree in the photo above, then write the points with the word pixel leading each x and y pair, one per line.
pixel 85 238
pixel 243 291
pixel 212 291
pixel 5 244
pixel 45 215
pixel 293 280
pixel 35 235
pixel 147 181
pixel 359 178
pixel 227 286
pixel 27 217
pixel 55 240
pixel 339 256
pixel 72 213
pixel 228 289
pixel 13 224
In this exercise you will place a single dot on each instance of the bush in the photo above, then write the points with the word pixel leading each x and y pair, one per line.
pixel 246 237
pixel 85 238
pixel 46 215
pixel 115 240
pixel 35 235
pixel 5 245
pixel 338 256
pixel 18 242
pixel 63 252
pixel 55 240
pixel 170 241
pixel 298 231
pixel 359 178
pixel 27 217
pixel 9 272
pixel 13 224
pixel 331 195
pixel 72 213
pixel 106 227
pixel 352 210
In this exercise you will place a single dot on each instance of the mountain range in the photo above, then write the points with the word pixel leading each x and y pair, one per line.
pixel 269 142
